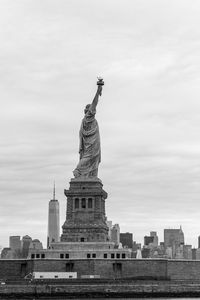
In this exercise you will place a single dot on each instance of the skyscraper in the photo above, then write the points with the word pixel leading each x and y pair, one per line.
pixel 151 240
pixel 25 243
pixel 174 240
pixel 109 224
pixel 199 241
pixel 53 221
pixel 173 237
pixel 126 239
pixel 148 240
pixel 15 242
pixel 15 245
pixel 36 244
pixel 115 234
pixel 155 238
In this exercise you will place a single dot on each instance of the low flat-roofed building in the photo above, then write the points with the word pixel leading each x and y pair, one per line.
pixel 81 250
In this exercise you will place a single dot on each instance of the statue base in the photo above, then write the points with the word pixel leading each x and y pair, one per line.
pixel 85 216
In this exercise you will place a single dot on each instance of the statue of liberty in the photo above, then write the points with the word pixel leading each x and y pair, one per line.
pixel 89 147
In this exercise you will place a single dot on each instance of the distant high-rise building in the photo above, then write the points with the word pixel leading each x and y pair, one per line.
pixel 15 245
pixel 136 246
pixel 115 234
pixel 174 238
pixel 53 221
pixel 179 252
pixel 187 251
pixel 15 242
pixel 36 244
pixel 25 244
pixel 199 241
pixel 162 244
pixel 145 253
pixel 109 224
pixel 194 251
pixel 7 253
pixel 155 238
pixel 148 240
pixel 151 240
pixel 126 239
pixel 198 254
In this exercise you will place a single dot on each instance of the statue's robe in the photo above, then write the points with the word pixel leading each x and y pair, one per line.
pixel 89 148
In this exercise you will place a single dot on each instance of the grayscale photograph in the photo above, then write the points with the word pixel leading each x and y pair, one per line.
pixel 99 149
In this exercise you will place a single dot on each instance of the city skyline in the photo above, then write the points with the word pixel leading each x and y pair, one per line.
pixel 173 237
pixel 148 54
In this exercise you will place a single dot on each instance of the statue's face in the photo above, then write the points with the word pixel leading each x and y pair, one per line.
pixel 86 108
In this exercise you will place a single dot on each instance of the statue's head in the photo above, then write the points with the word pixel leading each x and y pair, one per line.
pixel 86 108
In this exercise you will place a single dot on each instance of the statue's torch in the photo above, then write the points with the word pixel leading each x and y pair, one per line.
pixel 100 82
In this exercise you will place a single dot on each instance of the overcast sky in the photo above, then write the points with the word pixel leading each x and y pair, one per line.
pixel 148 52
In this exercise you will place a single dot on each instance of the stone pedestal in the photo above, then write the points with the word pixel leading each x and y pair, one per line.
pixel 85 232
pixel 85 217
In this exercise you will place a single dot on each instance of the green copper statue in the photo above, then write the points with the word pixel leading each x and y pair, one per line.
pixel 89 148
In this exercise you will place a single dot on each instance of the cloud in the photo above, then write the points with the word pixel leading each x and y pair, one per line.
pixel 148 53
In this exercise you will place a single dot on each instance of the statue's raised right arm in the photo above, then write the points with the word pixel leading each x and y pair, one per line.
pixel 96 98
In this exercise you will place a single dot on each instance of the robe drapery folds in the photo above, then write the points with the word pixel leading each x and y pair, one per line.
pixel 89 148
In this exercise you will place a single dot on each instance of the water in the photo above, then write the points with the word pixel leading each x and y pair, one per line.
pixel 102 298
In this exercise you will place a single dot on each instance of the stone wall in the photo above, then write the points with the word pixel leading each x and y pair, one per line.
pixel 106 268
pixel 14 269
pixel 183 269
pixel 108 289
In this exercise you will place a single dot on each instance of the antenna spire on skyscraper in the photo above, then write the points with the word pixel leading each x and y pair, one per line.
pixel 54 191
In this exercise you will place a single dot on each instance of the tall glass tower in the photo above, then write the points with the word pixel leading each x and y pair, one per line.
pixel 53 221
